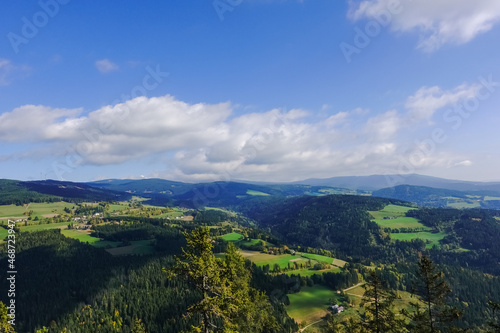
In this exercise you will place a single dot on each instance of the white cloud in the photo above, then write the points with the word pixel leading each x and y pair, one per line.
pixel 464 163
pixel 30 122
pixel 106 66
pixel 427 100
pixel 384 126
pixel 208 142
pixel 438 22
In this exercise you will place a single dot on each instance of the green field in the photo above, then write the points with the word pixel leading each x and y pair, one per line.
pixel 318 258
pixel 39 209
pixel 311 272
pixel 464 204
pixel 488 198
pixel 253 192
pixel 118 207
pixel 310 304
pixel 3 233
pixel 399 219
pixel 434 238
pixel 232 237
pixel 82 236
pixel 261 259
pixel 45 226
pixel 339 263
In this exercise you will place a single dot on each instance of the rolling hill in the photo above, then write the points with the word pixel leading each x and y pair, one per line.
pixel 376 182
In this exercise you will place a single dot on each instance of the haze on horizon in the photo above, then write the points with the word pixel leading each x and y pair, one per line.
pixel 262 90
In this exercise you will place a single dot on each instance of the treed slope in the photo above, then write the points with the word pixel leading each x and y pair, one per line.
pixel 20 192
pixel 12 192
pixel 334 222
pixel 74 191
pixel 143 186
pixel 72 285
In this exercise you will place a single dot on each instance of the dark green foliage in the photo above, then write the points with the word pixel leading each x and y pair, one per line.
pixel 228 303
pixel 74 192
pixel 435 315
pixel 378 302
pixel 212 216
pixel 13 192
pixel 495 316
pixel 84 289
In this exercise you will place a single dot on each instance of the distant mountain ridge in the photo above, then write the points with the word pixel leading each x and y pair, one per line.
pixel 22 192
pixel 377 182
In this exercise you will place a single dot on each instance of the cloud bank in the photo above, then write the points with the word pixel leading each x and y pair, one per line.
pixel 208 141
pixel 437 22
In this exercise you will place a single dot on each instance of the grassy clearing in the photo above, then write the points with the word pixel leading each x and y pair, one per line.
pixel 38 227
pixel 310 304
pixel 434 238
pixel 311 272
pixel 261 259
pixel 318 258
pixel 398 219
pixel 232 237
pixel 358 291
pixel 39 209
pixel 3 233
pixel 118 207
pixel 253 192
pixel 390 210
pixel 464 204
pixel 339 263
pixel 81 235
pixel 488 198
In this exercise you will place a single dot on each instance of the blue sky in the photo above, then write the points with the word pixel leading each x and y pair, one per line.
pixel 273 90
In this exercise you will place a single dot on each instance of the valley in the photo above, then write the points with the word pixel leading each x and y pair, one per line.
pixel 309 251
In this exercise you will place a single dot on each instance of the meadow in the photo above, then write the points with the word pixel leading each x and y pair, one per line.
pixel 253 192
pixel 311 272
pixel 398 221
pixel 39 209
pixel 283 260
pixel 310 304
pixel 232 237
pixel 434 238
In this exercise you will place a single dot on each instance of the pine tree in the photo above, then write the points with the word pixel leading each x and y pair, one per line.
pixel 203 270
pixel 435 315
pixel 228 303
pixel 379 314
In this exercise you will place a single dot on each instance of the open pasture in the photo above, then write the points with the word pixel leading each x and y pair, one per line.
pixel 258 193
pixel 393 216
pixel 232 237
pixel 283 260
pixel 434 238
pixel 39 209
pixel 311 272
pixel 310 304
